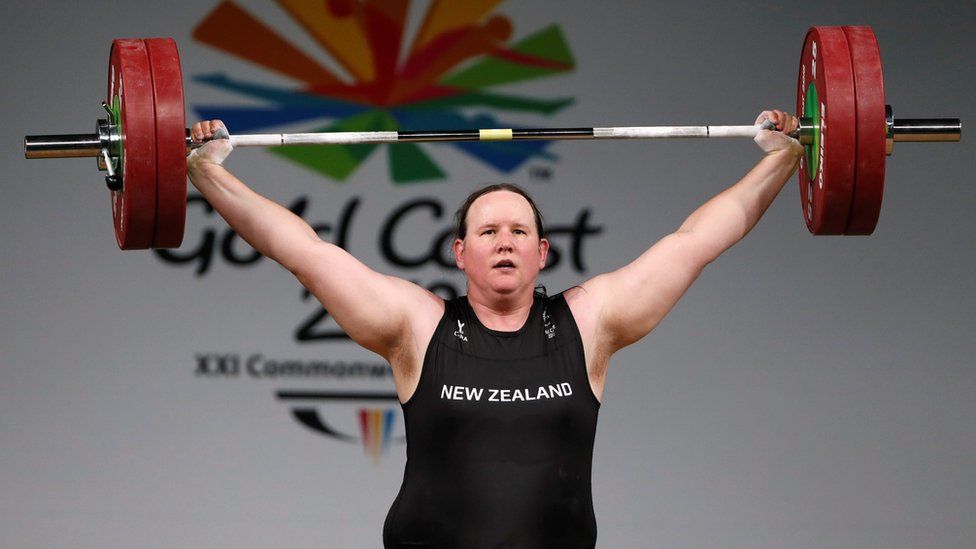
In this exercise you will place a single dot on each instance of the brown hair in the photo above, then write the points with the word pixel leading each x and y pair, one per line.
pixel 461 215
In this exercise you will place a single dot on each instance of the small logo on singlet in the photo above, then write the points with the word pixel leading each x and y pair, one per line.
pixel 547 325
pixel 459 333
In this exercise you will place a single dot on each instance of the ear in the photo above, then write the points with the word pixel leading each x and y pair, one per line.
pixel 458 248
pixel 543 252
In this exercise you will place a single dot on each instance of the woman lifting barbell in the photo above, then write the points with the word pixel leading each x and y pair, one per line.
pixel 500 388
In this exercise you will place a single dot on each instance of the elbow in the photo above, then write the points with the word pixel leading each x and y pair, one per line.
pixel 297 255
pixel 705 246
pixel 713 248
pixel 724 218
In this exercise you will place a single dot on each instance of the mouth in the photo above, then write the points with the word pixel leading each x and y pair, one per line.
pixel 504 265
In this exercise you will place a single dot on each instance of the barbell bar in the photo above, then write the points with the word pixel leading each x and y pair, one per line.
pixel 143 142
pixel 108 138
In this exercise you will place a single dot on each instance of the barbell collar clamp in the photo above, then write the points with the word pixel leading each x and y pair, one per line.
pixel 112 179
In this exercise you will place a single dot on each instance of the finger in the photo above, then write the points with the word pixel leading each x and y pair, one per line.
pixel 197 132
pixel 787 120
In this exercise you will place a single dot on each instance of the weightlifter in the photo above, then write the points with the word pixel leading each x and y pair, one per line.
pixel 500 388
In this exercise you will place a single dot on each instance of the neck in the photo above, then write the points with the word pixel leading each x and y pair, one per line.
pixel 505 313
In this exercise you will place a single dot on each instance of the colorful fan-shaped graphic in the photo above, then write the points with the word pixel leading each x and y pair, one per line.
pixel 459 52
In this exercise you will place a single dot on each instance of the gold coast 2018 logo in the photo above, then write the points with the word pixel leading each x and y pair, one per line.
pixel 382 80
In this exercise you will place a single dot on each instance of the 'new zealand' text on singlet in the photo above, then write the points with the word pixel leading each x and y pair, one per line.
pixel 499 437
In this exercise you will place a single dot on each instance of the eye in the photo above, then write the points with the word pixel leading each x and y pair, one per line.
pixel 519 231
pixel 488 231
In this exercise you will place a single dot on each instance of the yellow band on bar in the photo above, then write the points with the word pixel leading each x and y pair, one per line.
pixel 495 135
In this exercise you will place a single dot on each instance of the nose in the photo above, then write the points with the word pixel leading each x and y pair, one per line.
pixel 505 243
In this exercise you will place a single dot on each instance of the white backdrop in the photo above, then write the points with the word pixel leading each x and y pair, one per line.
pixel 806 393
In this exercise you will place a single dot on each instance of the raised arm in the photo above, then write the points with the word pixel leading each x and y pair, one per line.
pixel 382 313
pixel 620 307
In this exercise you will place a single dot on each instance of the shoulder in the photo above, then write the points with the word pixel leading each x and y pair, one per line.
pixel 583 301
pixel 424 307
pixel 583 306
pixel 586 306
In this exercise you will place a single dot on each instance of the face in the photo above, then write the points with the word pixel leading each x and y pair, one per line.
pixel 501 252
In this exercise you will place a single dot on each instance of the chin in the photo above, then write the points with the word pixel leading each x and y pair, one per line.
pixel 505 288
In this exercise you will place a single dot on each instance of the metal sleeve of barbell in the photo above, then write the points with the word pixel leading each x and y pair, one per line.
pixel 76 145
pixel 495 134
pixel 926 129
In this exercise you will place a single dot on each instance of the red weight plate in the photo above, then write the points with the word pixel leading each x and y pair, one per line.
pixel 164 60
pixel 827 173
pixel 130 92
pixel 869 170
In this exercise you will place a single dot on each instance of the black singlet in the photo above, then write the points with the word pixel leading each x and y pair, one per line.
pixel 499 437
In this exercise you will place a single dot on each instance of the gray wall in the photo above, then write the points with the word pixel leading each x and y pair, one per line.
pixel 806 393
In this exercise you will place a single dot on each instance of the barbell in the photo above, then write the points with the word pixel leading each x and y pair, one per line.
pixel 143 142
